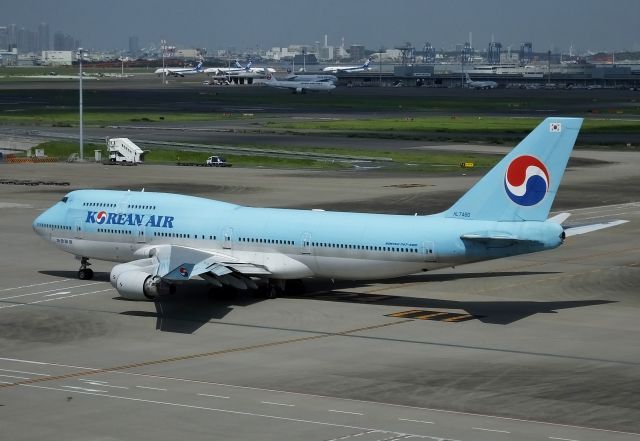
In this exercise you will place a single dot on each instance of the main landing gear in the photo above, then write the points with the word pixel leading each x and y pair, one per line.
pixel 277 287
pixel 85 273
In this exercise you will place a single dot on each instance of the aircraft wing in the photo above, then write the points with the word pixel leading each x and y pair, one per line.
pixel 178 263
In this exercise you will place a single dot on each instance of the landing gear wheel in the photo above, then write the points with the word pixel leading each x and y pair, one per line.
pixel 295 287
pixel 85 274
pixel 272 291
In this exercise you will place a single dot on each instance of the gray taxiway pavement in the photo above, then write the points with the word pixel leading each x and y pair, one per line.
pixel 539 347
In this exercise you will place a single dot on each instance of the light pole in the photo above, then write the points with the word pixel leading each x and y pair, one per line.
pixel 304 59
pixel 80 76
pixel 380 67
pixel 163 44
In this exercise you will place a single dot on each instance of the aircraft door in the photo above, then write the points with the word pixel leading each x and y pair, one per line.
pixel 427 249
pixel 227 238
pixel 77 229
pixel 305 246
pixel 141 233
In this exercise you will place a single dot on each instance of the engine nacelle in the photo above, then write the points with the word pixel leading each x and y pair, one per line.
pixel 137 285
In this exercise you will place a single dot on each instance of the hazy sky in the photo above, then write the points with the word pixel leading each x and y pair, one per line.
pixel 102 24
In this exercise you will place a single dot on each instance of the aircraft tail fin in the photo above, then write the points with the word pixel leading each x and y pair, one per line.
pixel 524 183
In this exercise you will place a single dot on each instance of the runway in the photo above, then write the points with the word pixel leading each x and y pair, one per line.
pixel 538 347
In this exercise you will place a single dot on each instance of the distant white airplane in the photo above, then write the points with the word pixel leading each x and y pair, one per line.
pixel 479 84
pixel 300 86
pixel 239 71
pixel 180 71
pixel 344 69
pixel 312 77
pixel 163 240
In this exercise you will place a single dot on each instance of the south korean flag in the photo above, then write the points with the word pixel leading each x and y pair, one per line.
pixel 555 127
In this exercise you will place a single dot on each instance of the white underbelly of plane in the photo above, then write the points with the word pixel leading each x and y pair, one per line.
pixel 365 269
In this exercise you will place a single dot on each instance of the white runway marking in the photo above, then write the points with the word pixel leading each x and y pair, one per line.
pixel 344 411
pixel 83 389
pixel 25 372
pixel 14 376
pixel 58 293
pixel 416 421
pixel 35 284
pixel 607 215
pixel 14 205
pixel 18 360
pixel 490 430
pixel 55 298
pixel 187 380
pixel 235 412
pixel 48 290
pixel 562 439
pixel 93 381
pixel 214 396
pixel 278 404
pixel 151 388
pixel 103 384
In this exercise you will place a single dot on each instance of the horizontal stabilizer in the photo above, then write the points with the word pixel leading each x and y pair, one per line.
pixel 574 231
pixel 559 218
pixel 495 237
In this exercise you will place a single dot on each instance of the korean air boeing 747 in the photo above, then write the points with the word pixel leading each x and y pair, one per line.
pixel 166 239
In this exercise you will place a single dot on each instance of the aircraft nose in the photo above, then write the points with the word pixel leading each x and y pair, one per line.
pixel 38 223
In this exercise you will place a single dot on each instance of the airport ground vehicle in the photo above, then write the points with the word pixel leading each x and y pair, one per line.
pixel 217 161
pixel 124 151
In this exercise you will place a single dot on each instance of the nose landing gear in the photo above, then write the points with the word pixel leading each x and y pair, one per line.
pixel 85 273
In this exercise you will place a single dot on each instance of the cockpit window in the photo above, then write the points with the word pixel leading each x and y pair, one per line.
pixel 64 199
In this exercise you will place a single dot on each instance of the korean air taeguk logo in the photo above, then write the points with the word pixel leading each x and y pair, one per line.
pixel 101 217
pixel 526 181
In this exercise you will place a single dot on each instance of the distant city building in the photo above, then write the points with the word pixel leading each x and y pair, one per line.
pixel 526 53
pixel 9 58
pixel 64 42
pixel 356 52
pixel 27 41
pixel 326 53
pixel 305 59
pixel 134 46
pixel 191 54
pixel 12 31
pixel 493 52
pixel 44 42
pixel 4 38
pixel 57 58
pixel 466 53
pixel 280 53
pixel 429 53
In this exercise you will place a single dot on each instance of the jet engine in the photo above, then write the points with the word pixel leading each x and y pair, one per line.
pixel 137 285
pixel 135 280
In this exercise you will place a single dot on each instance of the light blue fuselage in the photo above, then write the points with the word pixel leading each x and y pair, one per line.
pixel 290 243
